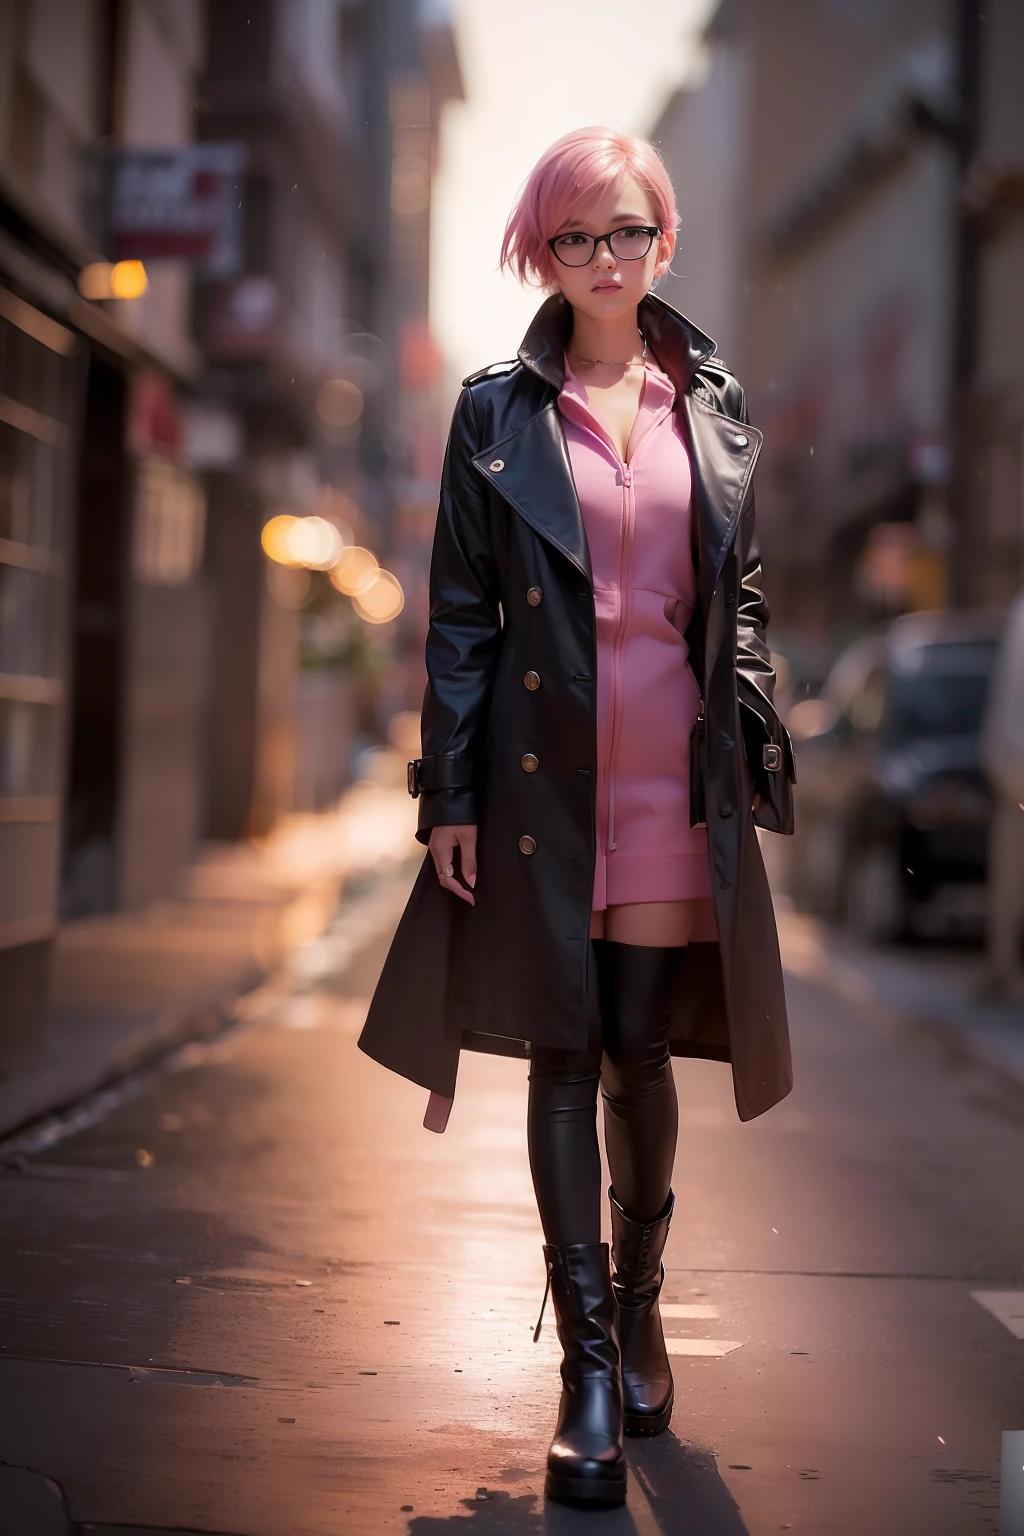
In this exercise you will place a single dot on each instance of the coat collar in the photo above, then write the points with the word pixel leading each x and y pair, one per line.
pixel 530 467
pixel 677 343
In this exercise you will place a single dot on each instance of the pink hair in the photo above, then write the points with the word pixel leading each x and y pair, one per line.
pixel 567 180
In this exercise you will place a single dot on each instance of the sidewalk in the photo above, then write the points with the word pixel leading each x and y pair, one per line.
pixel 930 986
pixel 130 986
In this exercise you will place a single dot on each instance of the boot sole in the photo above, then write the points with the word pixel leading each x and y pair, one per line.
pixel 608 1490
pixel 649 1423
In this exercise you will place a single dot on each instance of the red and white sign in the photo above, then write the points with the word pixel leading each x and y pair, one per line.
pixel 184 202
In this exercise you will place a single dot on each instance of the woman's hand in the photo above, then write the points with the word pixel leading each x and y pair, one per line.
pixel 442 845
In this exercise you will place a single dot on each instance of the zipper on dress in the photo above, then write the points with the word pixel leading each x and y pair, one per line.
pixel 628 510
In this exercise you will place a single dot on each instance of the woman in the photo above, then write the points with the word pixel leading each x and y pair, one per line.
pixel 598 741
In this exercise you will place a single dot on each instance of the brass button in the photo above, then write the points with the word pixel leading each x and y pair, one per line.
pixel 530 762
pixel 496 466
pixel 740 439
pixel 526 843
pixel 532 680
pixel 533 595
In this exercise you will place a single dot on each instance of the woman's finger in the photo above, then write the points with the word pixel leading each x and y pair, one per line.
pixel 467 857
pixel 449 883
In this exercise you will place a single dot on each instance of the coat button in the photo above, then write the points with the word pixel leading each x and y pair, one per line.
pixel 725 810
pixel 740 439
pixel 497 465
pixel 526 843
pixel 530 762
pixel 533 596
pixel 532 680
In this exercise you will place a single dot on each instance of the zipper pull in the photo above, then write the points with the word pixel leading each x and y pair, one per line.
pixel 547 1287
pixel 627 474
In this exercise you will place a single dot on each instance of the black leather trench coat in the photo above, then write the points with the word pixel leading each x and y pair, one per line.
pixel 511 602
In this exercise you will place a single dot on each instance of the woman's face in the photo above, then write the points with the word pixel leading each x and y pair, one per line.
pixel 608 287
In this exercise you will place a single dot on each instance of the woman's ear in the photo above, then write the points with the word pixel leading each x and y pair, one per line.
pixel 666 250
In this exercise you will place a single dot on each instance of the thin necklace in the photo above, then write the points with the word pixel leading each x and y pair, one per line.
pixel 630 364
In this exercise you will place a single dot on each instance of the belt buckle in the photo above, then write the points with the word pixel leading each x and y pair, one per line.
pixel 410 777
pixel 771 756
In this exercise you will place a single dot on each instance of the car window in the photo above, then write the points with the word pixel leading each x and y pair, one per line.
pixel 939 690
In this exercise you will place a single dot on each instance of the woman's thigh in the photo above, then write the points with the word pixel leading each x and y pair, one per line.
pixel 659 924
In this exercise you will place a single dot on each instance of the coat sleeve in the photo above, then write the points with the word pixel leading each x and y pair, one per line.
pixel 765 739
pixel 462 639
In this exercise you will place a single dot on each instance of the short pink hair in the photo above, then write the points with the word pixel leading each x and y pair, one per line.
pixel 565 183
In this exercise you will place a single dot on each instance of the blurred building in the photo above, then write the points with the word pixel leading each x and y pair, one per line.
pixel 992 405
pixel 161 680
pixel 822 162
pixel 320 350
pixel 101 525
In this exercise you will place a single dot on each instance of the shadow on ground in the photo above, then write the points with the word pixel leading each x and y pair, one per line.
pixel 679 1485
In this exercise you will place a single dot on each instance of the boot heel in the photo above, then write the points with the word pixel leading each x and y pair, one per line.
pixel 605 1492
pixel 649 1423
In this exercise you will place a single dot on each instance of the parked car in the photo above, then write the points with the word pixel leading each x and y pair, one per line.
pixel 894 807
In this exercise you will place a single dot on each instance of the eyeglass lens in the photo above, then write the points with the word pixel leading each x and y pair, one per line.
pixel 577 249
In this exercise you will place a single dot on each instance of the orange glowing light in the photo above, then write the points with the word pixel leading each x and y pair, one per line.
pixel 382 601
pixel 355 570
pixel 128 280
pixel 275 539
pixel 313 542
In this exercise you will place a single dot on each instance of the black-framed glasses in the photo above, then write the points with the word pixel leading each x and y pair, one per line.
pixel 629 243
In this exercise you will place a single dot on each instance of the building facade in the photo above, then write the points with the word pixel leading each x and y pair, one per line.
pixel 854 248
pixel 101 674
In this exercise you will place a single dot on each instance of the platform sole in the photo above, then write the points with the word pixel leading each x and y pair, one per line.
pixel 587 1490
pixel 637 1424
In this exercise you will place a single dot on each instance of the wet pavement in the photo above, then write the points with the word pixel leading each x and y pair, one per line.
pixel 255 1297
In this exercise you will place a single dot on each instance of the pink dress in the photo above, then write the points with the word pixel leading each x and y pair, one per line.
pixel 637 518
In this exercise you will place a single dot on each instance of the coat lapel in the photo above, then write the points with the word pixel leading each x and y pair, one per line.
pixel 531 469
pixel 723 453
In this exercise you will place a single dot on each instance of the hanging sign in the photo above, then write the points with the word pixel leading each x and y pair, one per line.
pixel 184 201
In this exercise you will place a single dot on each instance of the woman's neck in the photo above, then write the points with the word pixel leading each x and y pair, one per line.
pixel 609 341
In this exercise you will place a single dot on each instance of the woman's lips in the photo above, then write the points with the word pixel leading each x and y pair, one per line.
pixel 606 288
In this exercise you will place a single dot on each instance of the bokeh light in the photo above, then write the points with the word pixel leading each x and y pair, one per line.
pixel 382 601
pixel 274 539
pixel 339 403
pixel 128 280
pixel 313 542
pixel 355 570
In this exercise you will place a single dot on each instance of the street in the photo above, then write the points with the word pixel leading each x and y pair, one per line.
pixel 255 1297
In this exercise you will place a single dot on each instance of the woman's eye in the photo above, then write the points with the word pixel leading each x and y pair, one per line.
pixel 631 234
pixel 571 239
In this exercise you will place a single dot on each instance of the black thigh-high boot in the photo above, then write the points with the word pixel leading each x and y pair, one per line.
pixel 641 1122
pixel 585 1463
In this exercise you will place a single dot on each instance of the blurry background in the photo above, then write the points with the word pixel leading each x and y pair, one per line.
pixel 248 248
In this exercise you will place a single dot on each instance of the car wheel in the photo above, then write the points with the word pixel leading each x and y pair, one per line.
pixel 877 906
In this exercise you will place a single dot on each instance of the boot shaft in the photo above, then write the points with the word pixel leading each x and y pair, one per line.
pixel 637 1250
pixel 585 1309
